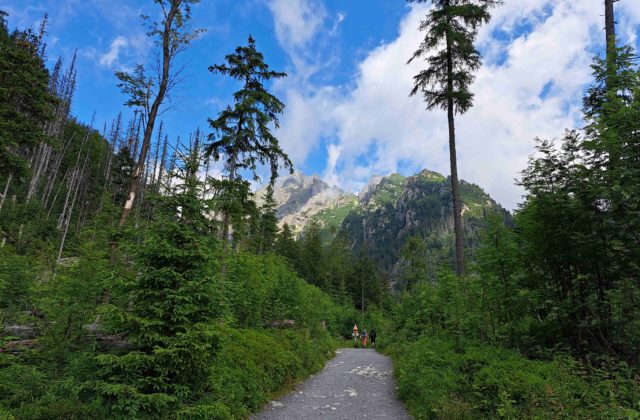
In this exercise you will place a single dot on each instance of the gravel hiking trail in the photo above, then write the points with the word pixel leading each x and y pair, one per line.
pixel 356 384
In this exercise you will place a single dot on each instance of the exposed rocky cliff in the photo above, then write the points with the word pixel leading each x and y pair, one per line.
pixel 301 198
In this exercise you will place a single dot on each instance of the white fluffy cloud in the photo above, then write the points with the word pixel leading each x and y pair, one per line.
pixel 537 57
pixel 297 21
pixel 113 55
pixel 307 120
pixel 123 52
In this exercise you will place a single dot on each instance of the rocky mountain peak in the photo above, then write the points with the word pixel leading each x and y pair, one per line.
pixel 300 198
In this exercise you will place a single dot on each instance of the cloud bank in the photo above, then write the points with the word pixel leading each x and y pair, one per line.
pixel 537 55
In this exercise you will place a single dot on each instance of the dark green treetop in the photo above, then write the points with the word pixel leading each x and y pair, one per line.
pixel 451 28
pixel 287 246
pixel 242 133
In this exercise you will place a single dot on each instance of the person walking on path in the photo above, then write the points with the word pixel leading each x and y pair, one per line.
pixel 355 334
pixel 372 336
pixel 364 338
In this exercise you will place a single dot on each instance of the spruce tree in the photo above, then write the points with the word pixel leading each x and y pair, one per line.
pixel 287 246
pixel 267 229
pixel 365 285
pixel 415 263
pixel 312 256
pixel 339 261
pixel 168 310
pixel 242 134
pixel 451 28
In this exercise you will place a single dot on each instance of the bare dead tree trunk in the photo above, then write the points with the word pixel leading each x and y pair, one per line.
pixel 206 177
pixel 73 202
pixel 64 215
pixel 143 192
pixel 55 197
pixel 6 190
pixel 162 163
pixel 37 173
pixel 54 129
pixel 172 167
pixel 4 196
pixel 105 186
pixel 135 128
pixel 155 160
pixel 138 171
pixel 52 177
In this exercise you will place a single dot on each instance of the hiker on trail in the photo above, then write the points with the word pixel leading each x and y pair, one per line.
pixel 355 334
pixel 372 336
pixel 364 338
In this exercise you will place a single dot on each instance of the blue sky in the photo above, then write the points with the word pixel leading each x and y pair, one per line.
pixel 348 113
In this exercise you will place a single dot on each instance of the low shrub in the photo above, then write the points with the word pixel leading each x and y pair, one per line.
pixel 439 378
pixel 253 366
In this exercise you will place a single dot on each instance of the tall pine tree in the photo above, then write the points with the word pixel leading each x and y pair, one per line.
pixel 451 28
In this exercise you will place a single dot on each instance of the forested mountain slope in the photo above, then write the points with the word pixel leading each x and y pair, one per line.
pixel 399 208
pixel 387 213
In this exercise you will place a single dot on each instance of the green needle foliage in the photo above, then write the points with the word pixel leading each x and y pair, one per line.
pixel 172 303
pixel 286 245
pixel 451 27
pixel 415 262
pixel 242 133
pixel 25 101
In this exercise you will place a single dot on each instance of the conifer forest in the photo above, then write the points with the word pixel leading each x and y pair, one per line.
pixel 147 272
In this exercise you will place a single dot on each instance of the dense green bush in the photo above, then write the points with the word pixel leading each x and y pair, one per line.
pixel 200 319
pixel 16 283
pixel 438 379
pixel 261 289
pixel 252 366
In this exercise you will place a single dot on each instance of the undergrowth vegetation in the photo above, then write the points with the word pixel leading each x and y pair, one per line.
pixel 226 367
pixel 441 377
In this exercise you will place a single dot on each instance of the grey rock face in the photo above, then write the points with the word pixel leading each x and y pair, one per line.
pixel 300 198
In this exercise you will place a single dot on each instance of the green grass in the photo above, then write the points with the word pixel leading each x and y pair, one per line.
pixel 388 190
pixel 432 176
pixel 331 218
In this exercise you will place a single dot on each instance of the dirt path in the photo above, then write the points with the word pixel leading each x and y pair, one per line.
pixel 357 383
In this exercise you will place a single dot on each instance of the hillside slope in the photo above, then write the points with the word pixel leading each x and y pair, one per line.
pixel 395 208
pixel 388 211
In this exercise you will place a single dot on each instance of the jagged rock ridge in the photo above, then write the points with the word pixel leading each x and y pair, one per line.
pixel 301 198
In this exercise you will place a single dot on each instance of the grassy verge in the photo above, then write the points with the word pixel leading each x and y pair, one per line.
pixel 439 378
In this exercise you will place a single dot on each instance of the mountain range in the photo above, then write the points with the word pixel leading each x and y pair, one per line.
pixel 386 212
